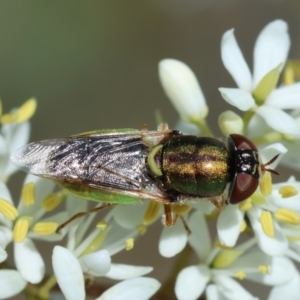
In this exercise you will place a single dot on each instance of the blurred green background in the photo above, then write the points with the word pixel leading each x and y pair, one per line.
pixel 93 64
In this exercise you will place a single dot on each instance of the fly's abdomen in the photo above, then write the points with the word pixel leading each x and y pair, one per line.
pixel 194 166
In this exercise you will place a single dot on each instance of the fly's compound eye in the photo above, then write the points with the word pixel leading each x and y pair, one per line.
pixel 246 178
pixel 243 187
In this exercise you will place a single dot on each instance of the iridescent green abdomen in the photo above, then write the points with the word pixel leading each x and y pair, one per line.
pixel 194 166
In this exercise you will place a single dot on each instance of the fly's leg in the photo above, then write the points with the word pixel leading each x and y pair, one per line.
pixel 170 220
pixel 82 214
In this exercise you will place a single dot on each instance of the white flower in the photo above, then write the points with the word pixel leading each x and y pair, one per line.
pixel 258 92
pixel 92 254
pixel 141 288
pixel 11 283
pixel 23 224
pixel 269 217
pixel 182 88
pixel 219 266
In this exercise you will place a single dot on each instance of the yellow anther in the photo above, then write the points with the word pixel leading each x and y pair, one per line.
pixel 28 194
pixel 129 244
pixel 288 75
pixel 240 275
pixel 9 118
pixel 151 213
pixel 20 230
pixel 287 191
pixel 266 184
pixel 45 228
pixel 180 209
pixel 27 110
pixel 243 226
pixel 96 242
pixel 8 210
pixel 264 269
pixel 142 229
pixel 102 224
pixel 50 202
pixel 287 215
pixel 267 223
pixel 225 258
pixel 245 205
pixel 24 113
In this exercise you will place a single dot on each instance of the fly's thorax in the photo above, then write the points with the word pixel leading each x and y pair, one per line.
pixel 247 165
pixel 191 165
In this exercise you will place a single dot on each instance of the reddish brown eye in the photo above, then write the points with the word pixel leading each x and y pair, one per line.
pixel 242 143
pixel 244 186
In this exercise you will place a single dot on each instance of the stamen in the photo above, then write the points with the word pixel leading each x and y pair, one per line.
pixel 26 111
pixel 50 202
pixel 101 225
pixel 264 269
pixel 45 228
pixel 225 258
pixel 245 205
pixel 240 275
pixel 20 229
pixel 28 194
pixel 142 229
pixel 266 184
pixel 8 210
pixel 287 215
pixel 151 213
pixel 267 223
pixel 243 226
pixel 287 191
pixel 129 244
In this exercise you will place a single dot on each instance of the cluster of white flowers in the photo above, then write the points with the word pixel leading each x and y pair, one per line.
pixel 270 217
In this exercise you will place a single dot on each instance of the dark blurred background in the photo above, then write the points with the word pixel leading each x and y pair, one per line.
pixel 93 64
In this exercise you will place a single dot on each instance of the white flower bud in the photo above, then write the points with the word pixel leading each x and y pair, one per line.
pixel 230 122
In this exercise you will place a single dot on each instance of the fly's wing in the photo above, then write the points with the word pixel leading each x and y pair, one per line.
pixel 110 162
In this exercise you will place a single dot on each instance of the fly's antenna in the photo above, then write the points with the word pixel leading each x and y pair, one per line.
pixel 264 169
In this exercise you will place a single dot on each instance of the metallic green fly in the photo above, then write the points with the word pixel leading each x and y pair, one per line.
pixel 126 166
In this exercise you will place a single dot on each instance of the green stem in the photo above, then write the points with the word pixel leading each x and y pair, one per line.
pixel 203 127
pixel 44 291
pixel 246 118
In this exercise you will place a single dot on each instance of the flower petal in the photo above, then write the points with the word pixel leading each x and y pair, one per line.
pixel 234 61
pixel 141 288
pixel 279 120
pixel 172 240
pixel 229 225
pixel 121 271
pixel 286 97
pixel 182 88
pixel 5 236
pixel 11 283
pixel 68 273
pixel 282 270
pixel 277 245
pixel 96 263
pixel 129 216
pixel 191 282
pixel 29 262
pixel 231 289
pixel 199 239
pixel 239 98
pixel 289 290
pixel 271 49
